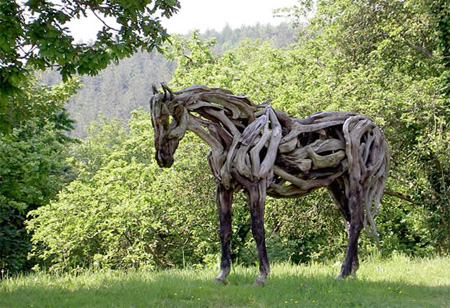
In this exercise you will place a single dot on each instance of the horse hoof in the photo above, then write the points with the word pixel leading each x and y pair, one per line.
pixel 221 281
pixel 341 277
pixel 259 282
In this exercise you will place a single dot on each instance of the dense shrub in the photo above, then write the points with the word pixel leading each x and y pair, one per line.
pixel 33 168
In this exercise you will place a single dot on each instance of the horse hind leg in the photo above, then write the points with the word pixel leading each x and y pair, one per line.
pixel 351 263
pixel 256 200
pixel 352 210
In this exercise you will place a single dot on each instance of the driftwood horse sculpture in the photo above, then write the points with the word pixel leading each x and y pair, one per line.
pixel 266 152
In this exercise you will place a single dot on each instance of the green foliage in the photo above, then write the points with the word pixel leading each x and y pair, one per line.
pixel 32 164
pixel 123 210
pixel 37 102
pixel 35 35
pixel 228 38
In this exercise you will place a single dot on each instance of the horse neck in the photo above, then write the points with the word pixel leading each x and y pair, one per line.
pixel 218 134
pixel 218 125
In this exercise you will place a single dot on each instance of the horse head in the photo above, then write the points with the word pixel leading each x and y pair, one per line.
pixel 169 124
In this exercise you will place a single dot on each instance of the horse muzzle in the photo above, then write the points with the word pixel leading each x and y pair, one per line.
pixel 163 161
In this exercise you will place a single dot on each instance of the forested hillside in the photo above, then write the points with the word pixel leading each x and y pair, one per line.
pixel 121 88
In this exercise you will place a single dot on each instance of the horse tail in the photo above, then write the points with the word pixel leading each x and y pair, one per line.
pixel 368 163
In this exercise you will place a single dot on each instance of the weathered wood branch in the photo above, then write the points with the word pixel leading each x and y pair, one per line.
pixel 399 195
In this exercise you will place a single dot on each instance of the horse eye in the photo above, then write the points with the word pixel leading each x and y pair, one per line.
pixel 173 122
pixel 168 121
pixel 165 119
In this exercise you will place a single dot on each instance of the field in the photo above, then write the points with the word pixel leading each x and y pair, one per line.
pixel 396 282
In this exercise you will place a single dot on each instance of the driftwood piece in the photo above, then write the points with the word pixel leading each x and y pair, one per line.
pixel 265 151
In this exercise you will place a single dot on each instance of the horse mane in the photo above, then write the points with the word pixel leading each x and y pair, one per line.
pixel 236 107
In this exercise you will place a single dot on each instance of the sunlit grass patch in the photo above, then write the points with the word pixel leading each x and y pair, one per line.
pixel 396 282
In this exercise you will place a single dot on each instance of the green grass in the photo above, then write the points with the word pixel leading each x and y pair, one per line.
pixel 397 282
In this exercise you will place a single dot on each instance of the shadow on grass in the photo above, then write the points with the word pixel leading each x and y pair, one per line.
pixel 195 288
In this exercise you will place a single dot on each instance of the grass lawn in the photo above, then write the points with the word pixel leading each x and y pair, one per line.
pixel 397 282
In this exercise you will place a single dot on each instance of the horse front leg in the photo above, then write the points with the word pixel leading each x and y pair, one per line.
pixel 224 199
pixel 256 200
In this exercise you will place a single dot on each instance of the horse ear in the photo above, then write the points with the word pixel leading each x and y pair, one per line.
pixel 155 89
pixel 168 93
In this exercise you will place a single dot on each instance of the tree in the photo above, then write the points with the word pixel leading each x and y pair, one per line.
pixel 35 35
pixel 33 166
pixel 394 56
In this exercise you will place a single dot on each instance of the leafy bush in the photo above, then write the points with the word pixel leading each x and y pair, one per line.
pixel 123 210
pixel 33 168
